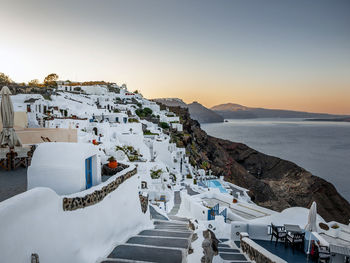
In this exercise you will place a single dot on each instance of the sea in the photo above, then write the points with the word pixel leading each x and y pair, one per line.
pixel 321 147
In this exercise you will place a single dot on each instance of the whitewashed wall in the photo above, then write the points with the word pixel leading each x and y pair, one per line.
pixel 34 222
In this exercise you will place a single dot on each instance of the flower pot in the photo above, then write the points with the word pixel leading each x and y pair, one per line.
pixel 113 164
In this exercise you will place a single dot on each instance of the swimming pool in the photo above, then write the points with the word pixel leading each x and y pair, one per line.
pixel 215 184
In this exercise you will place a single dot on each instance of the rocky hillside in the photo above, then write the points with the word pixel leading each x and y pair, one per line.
pixel 273 183
pixel 197 111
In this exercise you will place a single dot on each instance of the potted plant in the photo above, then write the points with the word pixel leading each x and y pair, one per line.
pixel 112 162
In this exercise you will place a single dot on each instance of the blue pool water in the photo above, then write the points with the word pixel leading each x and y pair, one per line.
pixel 216 184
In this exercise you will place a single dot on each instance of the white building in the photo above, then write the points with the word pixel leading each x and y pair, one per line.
pixel 65 167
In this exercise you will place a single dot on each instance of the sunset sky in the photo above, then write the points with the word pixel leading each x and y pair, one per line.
pixel 273 54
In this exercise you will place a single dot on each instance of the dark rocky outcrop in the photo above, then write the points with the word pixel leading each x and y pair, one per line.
pixel 197 111
pixel 273 183
pixel 203 114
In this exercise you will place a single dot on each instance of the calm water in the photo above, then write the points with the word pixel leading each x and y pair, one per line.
pixel 323 148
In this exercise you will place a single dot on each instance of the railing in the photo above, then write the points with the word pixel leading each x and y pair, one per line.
pixel 213 212
pixel 224 214
pixel 74 203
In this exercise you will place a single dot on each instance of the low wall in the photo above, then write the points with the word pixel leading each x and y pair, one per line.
pixel 73 203
pixel 33 135
pixel 34 222
pixel 257 252
pixel 254 230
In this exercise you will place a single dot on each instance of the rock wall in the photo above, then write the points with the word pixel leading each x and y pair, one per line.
pixel 144 203
pixel 74 203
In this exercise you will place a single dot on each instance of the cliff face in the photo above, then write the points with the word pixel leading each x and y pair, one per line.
pixel 273 183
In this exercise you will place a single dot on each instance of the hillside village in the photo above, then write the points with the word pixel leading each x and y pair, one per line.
pixel 107 181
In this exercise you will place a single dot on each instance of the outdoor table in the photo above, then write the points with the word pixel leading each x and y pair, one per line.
pixel 292 228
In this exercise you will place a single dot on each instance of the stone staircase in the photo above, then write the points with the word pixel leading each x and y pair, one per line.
pixel 168 242
pixel 230 254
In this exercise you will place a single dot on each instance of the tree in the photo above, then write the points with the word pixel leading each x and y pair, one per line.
pixel 51 79
pixel 33 83
pixel 4 79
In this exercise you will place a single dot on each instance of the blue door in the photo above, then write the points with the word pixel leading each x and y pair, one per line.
pixel 125 119
pixel 214 211
pixel 88 172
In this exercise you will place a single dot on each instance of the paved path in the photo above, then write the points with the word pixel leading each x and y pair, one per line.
pixel 155 214
pixel 12 182
pixel 190 191
pixel 168 242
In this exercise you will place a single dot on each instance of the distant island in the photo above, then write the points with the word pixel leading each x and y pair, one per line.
pixel 237 111
pixel 345 119
pixel 222 112
pixel 197 111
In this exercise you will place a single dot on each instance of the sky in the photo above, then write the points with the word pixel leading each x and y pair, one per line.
pixel 273 54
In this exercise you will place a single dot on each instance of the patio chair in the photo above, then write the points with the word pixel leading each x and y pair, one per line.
pixel 295 240
pixel 324 254
pixel 20 157
pixel 5 158
pixel 278 232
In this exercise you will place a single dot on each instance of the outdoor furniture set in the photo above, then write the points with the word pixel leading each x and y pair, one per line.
pixel 12 158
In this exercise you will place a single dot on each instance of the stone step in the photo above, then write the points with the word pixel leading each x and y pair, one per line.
pixel 160 242
pixel 172 228
pixel 173 217
pixel 155 214
pixel 113 260
pixel 148 254
pixel 170 223
pixel 229 250
pixel 223 245
pixel 229 256
pixel 163 233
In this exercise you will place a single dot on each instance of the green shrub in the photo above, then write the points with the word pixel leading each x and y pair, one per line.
pixel 205 165
pixel 194 181
pixel 133 120
pixel 188 176
pixel 148 132
pixel 155 174
pixel 164 125
pixel 130 152
pixel 143 113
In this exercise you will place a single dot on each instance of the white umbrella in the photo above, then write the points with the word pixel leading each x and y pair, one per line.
pixel 311 222
pixel 8 136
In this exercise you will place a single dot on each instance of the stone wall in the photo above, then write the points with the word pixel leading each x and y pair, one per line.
pixel 144 203
pixel 73 203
